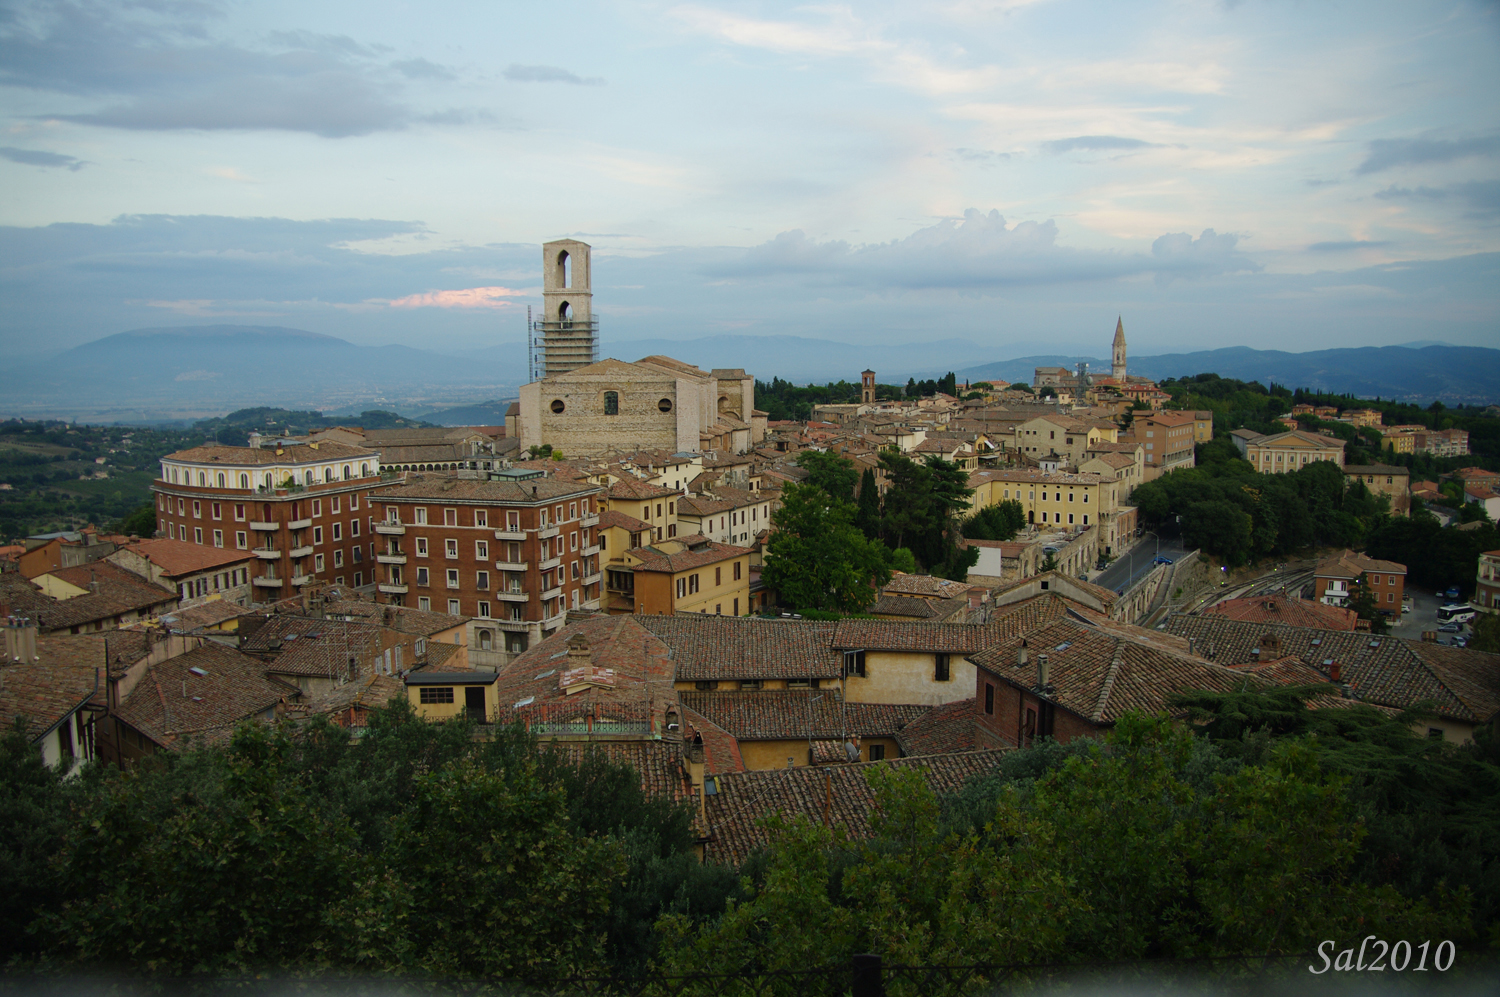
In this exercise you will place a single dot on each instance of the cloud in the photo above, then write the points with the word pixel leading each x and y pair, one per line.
pixel 1482 197
pixel 469 297
pixel 157 66
pixel 421 69
pixel 978 253
pixel 548 74
pixel 1385 153
pixel 35 157
pixel 1339 247
pixel 1096 143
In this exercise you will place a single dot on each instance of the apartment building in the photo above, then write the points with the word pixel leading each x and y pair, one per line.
pixel 514 551
pixel 727 515
pixel 1060 499
pixel 1168 439
pixel 1384 479
pixel 1335 579
pixel 300 510
pixel 693 575
pixel 1487 582
pixel 651 504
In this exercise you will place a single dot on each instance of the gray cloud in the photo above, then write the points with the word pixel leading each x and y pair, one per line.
pixel 1385 153
pixel 979 253
pixel 1096 143
pixel 1339 247
pixel 549 74
pixel 1481 197
pixel 34 157
pixel 421 69
pixel 155 65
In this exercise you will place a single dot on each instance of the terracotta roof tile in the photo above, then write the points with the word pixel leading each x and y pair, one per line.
pixel 839 794
pixel 172 700
pixel 301 453
pixel 709 552
pixel 47 690
pixel 1293 612
pixel 941 730
pixel 709 648
pixel 178 557
pixel 797 713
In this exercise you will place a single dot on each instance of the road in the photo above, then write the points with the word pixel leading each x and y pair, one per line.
pixel 1132 566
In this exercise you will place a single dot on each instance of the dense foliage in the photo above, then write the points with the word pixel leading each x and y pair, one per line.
pixel 1228 509
pixel 1435 557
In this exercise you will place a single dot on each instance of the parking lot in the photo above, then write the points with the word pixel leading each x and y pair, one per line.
pixel 1423 616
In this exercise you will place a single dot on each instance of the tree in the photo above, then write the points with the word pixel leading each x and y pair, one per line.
pixel 1363 600
pixel 869 505
pixel 1001 521
pixel 1486 633
pixel 140 523
pixel 921 509
pixel 817 558
pixel 831 472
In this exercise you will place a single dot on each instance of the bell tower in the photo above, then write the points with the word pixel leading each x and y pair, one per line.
pixel 1117 360
pixel 867 388
pixel 567 333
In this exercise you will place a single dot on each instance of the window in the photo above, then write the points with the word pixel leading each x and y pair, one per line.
pixel 239 512
pixel 197 510
pixel 573 541
pixel 317 505
pixel 692 583
pixel 718 576
pixel 681 588
pixel 338 557
pixel 421 516
pixel 482 580
pixel 482 610
pixel 435 694
pixel 482 550
pixel 241 541
pixel 218 538
pixel 353 503
pixel 453 607
pixel 218 511
pixel 854 663
pixel 317 562
pixel 575 571
pixel 989 698
pixel 359 554
pixel 354 527
pixel 450 517
pixel 359 578
pixel 421 546
pixel 736 573
pixel 611 403
pixel 453 578
pixel 317 534
pixel 877 752
pixel 705 686
pixel 736 606
pixel 197 534
pixel 422 577
pixel 940 671
pixel 450 549
pixel 424 604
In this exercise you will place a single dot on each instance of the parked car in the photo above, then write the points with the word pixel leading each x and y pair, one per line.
pixel 1406 608
pixel 1451 628
pixel 1161 560
pixel 1452 592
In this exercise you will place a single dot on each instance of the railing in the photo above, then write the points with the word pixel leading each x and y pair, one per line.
pixel 512 565
pixel 548 532
pixel 391 588
pixel 257 525
pixel 509 534
pixel 302 551
pixel 299 524
pixel 390 529
pixel 390 558
pixel 550 562
pixel 267 553
pixel 594 727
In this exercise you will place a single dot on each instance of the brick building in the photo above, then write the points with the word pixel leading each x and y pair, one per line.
pixel 301 510
pixel 1335 579
pixel 1168 437
pixel 514 551
pixel 1487 582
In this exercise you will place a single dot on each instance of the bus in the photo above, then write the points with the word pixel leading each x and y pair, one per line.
pixel 1459 612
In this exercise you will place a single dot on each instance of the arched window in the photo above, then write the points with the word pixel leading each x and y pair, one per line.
pixel 564 270
pixel 201 480
pixel 268 479
pixel 174 475
pixel 486 640
pixel 221 479
pixel 565 312
pixel 327 474
pixel 307 477
pixel 346 472
pixel 364 470
pixel 244 481
pixel 611 403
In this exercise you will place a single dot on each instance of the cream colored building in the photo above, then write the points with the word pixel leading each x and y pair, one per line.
pixel 1289 451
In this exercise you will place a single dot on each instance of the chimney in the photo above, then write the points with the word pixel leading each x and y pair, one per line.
pixel 1335 671
pixel 20 640
pixel 1043 672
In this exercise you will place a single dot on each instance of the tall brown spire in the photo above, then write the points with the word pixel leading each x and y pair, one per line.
pixel 1117 358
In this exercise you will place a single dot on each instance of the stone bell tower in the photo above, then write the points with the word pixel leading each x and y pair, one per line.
pixel 567 333
pixel 1117 367
pixel 867 388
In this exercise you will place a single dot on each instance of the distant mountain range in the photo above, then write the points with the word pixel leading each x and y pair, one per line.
pixel 194 372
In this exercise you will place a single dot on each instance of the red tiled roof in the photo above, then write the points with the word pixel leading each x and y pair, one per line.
pixel 710 648
pixel 899 635
pixel 619 520
pixel 709 552
pixel 837 794
pixel 638 687
pixel 941 730
pixel 1284 609
pixel 176 558
pixel 171 700
pixel 48 690
pixel 301 453
pixel 797 713
pixel 634 489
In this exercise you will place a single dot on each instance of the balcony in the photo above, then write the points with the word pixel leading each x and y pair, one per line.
pixel 390 529
pixel 593 579
pixel 512 565
pixel 590 604
pixel 507 534
pixel 552 593
pixel 390 558
pixel 304 551
pixel 553 622
pixel 303 579
pixel 588 519
pixel 267 553
pixel 589 551
pixel 550 563
pixel 299 524
pixel 548 532
pixel 391 589
pixel 264 526
pixel 267 582
pixel 513 596
pixel 513 626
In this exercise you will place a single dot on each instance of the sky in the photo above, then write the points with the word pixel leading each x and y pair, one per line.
pixel 1016 173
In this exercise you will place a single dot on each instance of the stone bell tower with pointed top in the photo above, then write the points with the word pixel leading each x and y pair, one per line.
pixel 867 388
pixel 1117 360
